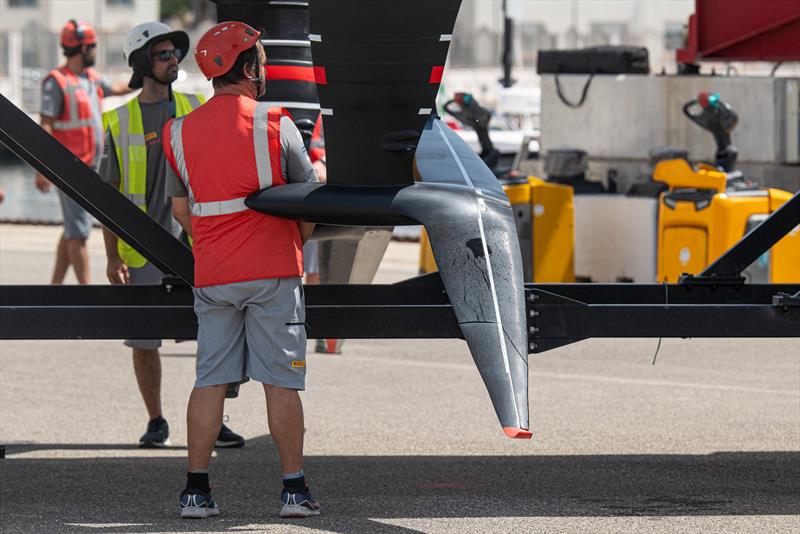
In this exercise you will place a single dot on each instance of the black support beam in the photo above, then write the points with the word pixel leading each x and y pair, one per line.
pixel 756 242
pixel 558 313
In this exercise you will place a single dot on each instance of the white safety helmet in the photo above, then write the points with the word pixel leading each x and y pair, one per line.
pixel 144 33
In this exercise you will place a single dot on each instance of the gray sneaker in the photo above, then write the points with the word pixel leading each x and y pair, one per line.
pixel 299 504
pixel 197 505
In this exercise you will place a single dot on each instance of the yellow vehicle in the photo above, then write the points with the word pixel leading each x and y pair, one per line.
pixel 544 226
pixel 701 217
pixel 709 208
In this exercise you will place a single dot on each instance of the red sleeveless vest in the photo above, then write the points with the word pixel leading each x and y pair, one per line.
pixel 73 128
pixel 223 151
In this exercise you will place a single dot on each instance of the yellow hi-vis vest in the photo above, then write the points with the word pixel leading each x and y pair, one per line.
pixel 127 131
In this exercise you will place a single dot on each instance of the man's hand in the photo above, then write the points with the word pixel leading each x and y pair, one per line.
pixel 321 170
pixel 42 183
pixel 117 271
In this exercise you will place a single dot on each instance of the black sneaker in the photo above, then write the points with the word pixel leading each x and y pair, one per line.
pixel 157 434
pixel 228 438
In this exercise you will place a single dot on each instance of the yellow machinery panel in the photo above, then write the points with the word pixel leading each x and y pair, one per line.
pixel 683 250
pixel 697 209
pixel 545 227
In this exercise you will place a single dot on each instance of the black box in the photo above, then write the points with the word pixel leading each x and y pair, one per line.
pixel 595 60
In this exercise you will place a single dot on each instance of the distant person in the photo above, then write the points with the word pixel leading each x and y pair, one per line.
pixel 72 98
pixel 154 51
pixel 248 293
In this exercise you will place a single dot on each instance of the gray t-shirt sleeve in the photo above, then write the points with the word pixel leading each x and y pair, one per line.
pixel 295 163
pixel 109 166
pixel 105 85
pixel 174 186
pixel 52 98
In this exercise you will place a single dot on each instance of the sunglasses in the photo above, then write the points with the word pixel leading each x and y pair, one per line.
pixel 165 55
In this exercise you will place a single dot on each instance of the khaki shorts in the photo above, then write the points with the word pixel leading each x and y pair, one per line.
pixel 253 329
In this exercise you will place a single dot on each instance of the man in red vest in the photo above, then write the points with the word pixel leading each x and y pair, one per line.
pixel 248 265
pixel 72 112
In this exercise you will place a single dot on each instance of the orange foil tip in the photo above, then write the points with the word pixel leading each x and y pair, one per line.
pixel 517 433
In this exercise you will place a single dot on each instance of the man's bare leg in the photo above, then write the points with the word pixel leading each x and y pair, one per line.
pixel 147 366
pixel 285 418
pixel 62 262
pixel 78 255
pixel 203 421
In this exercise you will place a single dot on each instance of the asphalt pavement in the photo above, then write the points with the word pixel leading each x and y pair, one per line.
pixel 401 436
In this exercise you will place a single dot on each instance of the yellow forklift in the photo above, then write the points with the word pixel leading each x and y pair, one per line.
pixel 544 211
pixel 708 208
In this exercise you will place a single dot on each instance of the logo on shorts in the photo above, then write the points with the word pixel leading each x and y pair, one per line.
pixel 298 363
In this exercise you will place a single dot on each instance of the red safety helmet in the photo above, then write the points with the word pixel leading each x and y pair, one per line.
pixel 75 34
pixel 218 48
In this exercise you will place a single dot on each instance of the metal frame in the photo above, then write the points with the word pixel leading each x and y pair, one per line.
pixel 715 303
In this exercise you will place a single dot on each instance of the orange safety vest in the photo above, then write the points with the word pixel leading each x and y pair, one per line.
pixel 223 151
pixel 74 127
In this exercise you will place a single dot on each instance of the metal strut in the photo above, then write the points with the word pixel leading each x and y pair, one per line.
pixel 756 242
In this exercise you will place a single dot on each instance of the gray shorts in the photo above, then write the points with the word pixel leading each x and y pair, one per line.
pixel 311 257
pixel 251 329
pixel 77 221
pixel 151 276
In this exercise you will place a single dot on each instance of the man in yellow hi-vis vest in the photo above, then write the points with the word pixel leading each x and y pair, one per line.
pixel 134 162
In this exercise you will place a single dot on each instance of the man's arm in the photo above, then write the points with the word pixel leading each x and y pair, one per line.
pixel 116 270
pixel 174 189
pixel 306 229
pixel 52 106
pixel 42 183
pixel 180 210
pixel 298 165
pixel 119 89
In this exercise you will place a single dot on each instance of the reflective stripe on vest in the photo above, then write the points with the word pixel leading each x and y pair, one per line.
pixel 127 130
pixel 71 88
pixel 261 118
pixel 71 98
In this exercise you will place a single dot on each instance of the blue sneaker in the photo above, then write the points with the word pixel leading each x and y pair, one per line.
pixel 197 505
pixel 299 504
pixel 157 434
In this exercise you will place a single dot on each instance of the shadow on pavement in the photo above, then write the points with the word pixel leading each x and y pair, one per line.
pixel 23 447
pixel 139 494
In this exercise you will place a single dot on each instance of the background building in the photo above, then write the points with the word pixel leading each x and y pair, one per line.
pixel 30 30
pixel 475 55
